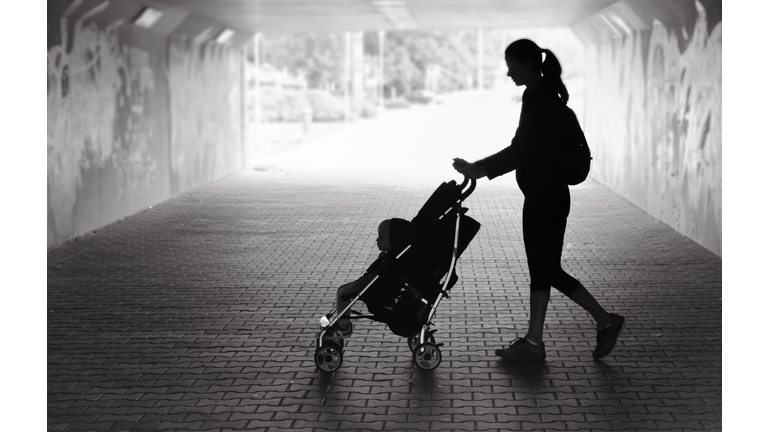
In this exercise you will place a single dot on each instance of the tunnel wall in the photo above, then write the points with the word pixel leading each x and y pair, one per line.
pixel 653 111
pixel 134 118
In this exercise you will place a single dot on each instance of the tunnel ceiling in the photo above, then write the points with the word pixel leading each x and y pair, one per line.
pixel 360 15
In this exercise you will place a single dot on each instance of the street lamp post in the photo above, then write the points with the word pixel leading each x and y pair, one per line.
pixel 347 72
pixel 479 58
pixel 381 69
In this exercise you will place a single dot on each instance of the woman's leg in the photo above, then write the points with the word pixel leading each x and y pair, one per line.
pixel 530 349
pixel 544 225
pixel 558 278
pixel 536 237
pixel 539 302
pixel 583 298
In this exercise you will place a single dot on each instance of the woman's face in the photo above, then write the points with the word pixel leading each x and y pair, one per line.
pixel 520 73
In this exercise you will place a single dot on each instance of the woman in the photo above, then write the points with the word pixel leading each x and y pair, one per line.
pixel 534 154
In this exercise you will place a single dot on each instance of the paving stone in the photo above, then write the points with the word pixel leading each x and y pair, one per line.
pixel 202 313
pixel 89 426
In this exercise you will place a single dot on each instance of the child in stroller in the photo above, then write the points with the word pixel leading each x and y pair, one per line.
pixel 394 235
pixel 404 286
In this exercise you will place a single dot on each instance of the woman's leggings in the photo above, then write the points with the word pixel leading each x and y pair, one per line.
pixel 544 220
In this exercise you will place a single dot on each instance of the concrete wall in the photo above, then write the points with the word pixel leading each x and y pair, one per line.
pixel 205 92
pixel 133 119
pixel 653 111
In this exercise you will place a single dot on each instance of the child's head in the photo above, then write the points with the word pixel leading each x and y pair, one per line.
pixel 394 234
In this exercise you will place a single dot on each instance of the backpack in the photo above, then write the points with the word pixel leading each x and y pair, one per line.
pixel 576 159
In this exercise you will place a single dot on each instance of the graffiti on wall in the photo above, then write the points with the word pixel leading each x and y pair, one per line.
pixel 205 107
pixel 116 94
pixel 96 93
pixel 655 121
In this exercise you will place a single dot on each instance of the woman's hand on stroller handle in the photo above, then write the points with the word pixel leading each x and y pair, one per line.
pixel 459 163
pixel 467 169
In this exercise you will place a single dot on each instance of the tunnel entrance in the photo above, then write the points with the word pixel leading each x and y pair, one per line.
pixel 416 100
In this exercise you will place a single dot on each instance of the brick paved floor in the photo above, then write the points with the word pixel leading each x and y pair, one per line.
pixel 201 313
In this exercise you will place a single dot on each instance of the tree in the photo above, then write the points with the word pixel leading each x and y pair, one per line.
pixel 409 54
pixel 319 58
pixel 407 57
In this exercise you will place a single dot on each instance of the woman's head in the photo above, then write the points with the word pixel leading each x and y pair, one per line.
pixel 524 61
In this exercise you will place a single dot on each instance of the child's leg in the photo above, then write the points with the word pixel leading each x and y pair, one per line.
pixel 344 292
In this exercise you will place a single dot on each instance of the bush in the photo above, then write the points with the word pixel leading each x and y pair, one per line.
pixel 322 106
pixel 283 105
pixel 420 97
pixel 396 103
pixel 325 106
pixel 365 109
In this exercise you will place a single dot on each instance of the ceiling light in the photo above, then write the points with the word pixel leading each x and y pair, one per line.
pixel 74 5
pixel 396 11
pixel 95 10
pixel 224 36
pixel 203 36
pixel 147 17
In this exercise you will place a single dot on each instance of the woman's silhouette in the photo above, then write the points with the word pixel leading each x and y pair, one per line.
pixel 534 153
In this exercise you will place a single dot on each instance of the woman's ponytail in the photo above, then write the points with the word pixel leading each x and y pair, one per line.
pixel 551 71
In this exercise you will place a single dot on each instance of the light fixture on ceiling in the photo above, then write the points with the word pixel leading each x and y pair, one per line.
pixel 224 36
pixel 147 17
pixel 101 7
pixel 396 11
pixel 203 36
pixel 72 6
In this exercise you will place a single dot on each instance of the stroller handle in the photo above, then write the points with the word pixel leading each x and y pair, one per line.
pixel 472 183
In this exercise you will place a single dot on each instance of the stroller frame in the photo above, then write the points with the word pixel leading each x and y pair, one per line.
pixel 425 351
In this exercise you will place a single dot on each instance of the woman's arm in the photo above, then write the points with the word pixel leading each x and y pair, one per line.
pixel 492 166
pixel 504 161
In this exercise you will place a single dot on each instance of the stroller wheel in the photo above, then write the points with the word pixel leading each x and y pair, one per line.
pixel 328 358
pixel 427 356
pixel 413 341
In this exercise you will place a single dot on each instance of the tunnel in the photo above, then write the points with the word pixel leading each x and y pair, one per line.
pixel 138 115
pixel 195 244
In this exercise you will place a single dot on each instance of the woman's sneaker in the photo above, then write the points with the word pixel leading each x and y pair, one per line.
pixel 607 336
pixel 523 351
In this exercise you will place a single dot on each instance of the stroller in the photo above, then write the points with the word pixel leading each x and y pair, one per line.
pixel 420 276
